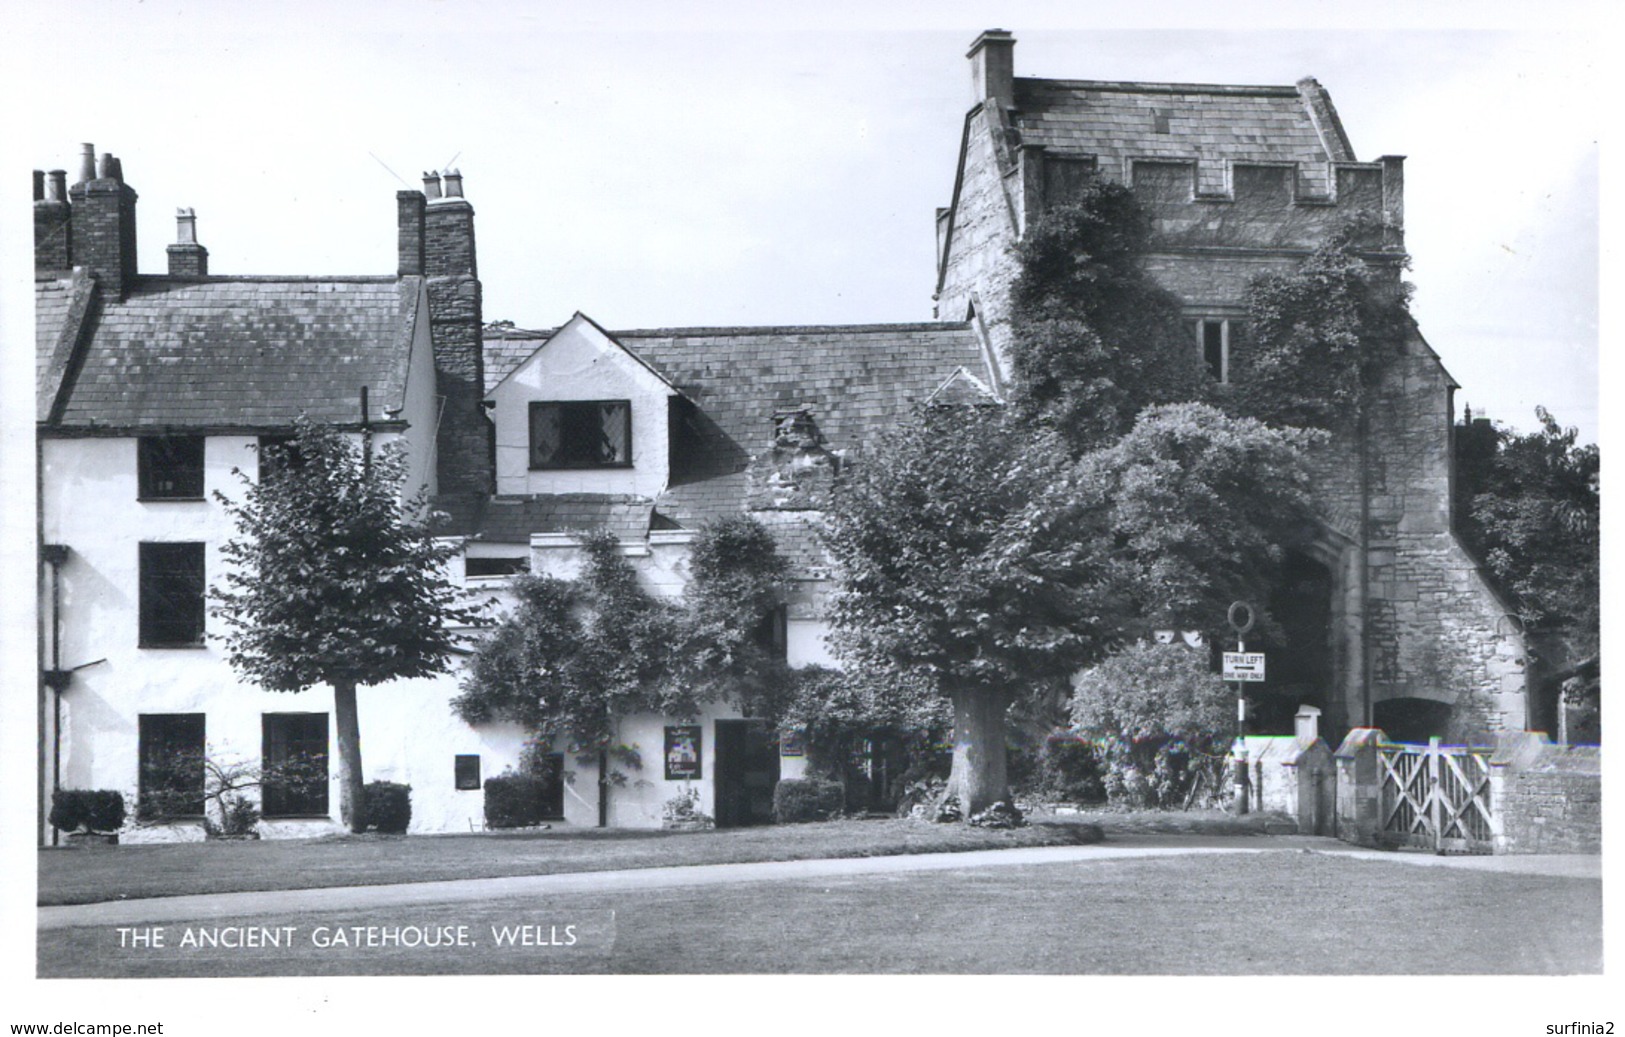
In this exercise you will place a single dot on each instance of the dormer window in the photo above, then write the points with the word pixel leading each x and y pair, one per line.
pixel 581 434
pixel 169 467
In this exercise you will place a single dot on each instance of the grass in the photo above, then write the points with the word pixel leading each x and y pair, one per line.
pixel 83 876
pixel 1271 913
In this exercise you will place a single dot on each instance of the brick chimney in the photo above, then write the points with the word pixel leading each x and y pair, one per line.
pixel 102 233
pixel 464 448
pixel 186 257
pixel 52 219
pixel 993 68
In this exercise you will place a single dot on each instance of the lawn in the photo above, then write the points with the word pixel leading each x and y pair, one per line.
pixel 1272 913
pixel 81 876
pixel 88 875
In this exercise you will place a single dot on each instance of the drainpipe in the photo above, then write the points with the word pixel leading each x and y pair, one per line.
pixel 1364 425
pixel 54 676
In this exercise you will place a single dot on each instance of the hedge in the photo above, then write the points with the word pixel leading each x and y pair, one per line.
pixel 807 799
pixel 94 810
pixel 515 800
pixel 387 806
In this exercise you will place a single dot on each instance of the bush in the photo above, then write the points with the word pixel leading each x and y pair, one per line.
pixel 387 807
pixel 807 799
pixel 89 810
pixel 1070 770
pixel 238 816
pixel 515 800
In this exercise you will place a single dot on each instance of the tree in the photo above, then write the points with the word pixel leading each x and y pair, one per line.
pixel 575 656
pixel 738 582
pixel 1530 508
pixel 1318 337
pixel 976 556
pixel 335 579
pixel 956 567
pixel 1094 338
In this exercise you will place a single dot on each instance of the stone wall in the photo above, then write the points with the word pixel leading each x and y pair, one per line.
pixel 1548 798
pixel 987 221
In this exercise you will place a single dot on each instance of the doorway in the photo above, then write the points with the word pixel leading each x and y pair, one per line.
pixel 747 769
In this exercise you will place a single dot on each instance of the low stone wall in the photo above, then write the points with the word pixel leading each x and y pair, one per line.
pixel 1548 798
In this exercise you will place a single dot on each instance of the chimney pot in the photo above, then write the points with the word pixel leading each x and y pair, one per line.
pixel 87 162
pixel 104 171
pixel 56 187
pixel 431 185
pixel 185 227
pixel 454 183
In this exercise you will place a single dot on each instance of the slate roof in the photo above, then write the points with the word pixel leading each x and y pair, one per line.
pixel 1213 125
pixel 511 520
pixel 238 352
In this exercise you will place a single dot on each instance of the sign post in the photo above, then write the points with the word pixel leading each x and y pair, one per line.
pixel 1242 667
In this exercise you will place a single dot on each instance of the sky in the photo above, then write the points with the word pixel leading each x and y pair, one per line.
pixel 682 164
pixel 718 167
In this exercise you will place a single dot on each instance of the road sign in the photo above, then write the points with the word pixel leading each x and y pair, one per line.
pixel 1244 666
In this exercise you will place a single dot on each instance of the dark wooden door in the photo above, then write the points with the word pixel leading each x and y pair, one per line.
pixel 747 768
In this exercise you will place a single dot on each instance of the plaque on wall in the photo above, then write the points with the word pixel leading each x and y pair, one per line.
pixel 683 752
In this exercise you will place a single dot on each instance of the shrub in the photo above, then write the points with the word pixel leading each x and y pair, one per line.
pixel 88 810
pixel 807 799
pixel 515 800
pixel 998 815
pixel 387 806
pixel 238 816
pixel 684 809
pixel 1070 770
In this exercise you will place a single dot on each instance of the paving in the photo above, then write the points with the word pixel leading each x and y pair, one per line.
pixel 159 910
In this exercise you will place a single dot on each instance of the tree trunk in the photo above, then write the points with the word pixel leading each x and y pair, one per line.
pixel 352 788
pixel 978 778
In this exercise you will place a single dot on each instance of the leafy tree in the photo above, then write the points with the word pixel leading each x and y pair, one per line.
pixel 1318 337
pixel 1195 510
pixel 575 656
pixel 1095 339
pixel 1530 509
pixel 737 581
pixel 1160 716
pixel 956 568
pixel 336 580
pixel 974 556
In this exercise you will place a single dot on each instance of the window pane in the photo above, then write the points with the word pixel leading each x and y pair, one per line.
pixel 581 434
pixel 171 765
pixel 172 594
pixel 294 760
pixel 617 432
pixel 170 467
pixel 545 435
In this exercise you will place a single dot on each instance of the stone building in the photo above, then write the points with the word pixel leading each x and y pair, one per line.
pixel 1389 620
pixel 152 388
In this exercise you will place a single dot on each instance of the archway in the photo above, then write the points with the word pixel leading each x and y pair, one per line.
pixel 1413 720
pixel 1300 669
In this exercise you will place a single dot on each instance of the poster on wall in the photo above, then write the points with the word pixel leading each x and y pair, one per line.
pixel 683 752
pixel 793 742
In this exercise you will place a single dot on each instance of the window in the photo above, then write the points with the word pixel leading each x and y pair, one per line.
pixel 466 770
pixel 172 591
pixel 170 748
pixel 170 467
pixel 772 633
pixel 278 452
pixel 495 566
pixel 584 434
pixel 293 757
pixel 1213 339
